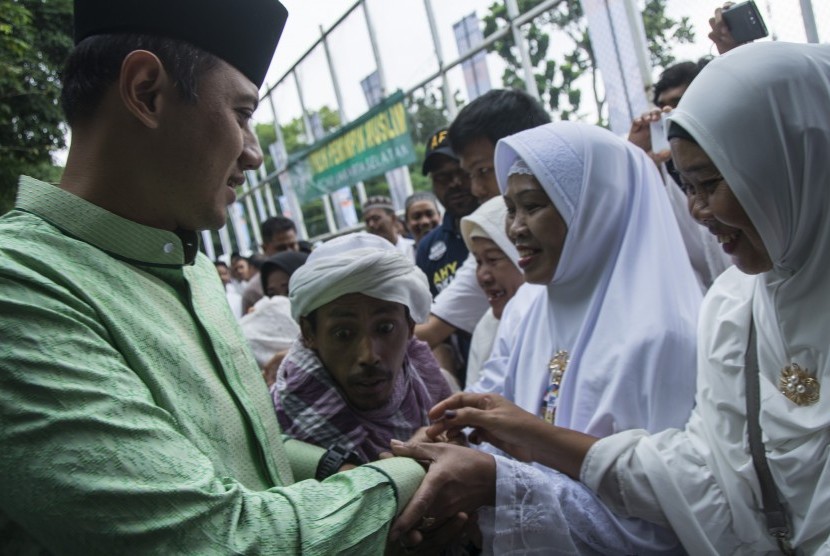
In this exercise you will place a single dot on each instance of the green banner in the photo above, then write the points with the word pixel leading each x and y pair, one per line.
pixel 375 143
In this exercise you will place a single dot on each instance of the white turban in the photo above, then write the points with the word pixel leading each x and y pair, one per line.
pixel 359 263
pixel 488 222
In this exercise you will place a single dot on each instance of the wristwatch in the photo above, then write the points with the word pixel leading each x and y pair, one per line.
pixel 334 458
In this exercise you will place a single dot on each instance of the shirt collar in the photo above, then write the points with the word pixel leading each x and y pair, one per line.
pixel 449 221
pixel 121 238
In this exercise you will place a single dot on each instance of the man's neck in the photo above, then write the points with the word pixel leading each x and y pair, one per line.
pixel 102 171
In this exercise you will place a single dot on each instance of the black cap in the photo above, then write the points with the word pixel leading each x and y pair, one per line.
pixel 438 143
pixel 244 33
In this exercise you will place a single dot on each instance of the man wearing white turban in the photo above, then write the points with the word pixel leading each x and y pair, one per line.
pixel 357 378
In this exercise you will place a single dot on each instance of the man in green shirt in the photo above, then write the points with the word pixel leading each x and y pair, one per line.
pixel 133 418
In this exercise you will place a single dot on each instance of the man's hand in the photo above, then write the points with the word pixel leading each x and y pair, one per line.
pixel 456 437
pixel 640 134
pixel 431 540
pixel 720 33
pixel 434 331
pixel 458 480
pixel 269 371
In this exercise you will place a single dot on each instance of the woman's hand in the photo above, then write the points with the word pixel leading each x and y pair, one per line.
pixel 495 420
pixel 503 424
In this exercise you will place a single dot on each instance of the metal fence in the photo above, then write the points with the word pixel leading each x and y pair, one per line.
pixel 359 59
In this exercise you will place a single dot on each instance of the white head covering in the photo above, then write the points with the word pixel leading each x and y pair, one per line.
pixel 623 300
pixel 359 263
pixel 488 222
pixel 269 328
pixel 762 114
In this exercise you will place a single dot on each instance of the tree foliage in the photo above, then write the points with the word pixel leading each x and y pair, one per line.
pixel 294 134
pixel 35 38
pixel 558 77
pixel 296 139
pixel 427 114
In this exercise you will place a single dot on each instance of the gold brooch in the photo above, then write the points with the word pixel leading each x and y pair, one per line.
pixel 798 386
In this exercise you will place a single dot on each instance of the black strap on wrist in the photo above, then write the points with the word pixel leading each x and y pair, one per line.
pixel 334 458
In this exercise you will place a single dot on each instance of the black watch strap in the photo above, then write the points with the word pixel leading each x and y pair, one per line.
pixel 334 458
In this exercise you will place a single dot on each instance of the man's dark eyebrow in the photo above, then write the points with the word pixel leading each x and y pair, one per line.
pixel 347 312
pixel 386 308
pixel 341 312
pixel 250 99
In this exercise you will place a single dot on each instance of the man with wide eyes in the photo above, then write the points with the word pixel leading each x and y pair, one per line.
pixel 357 378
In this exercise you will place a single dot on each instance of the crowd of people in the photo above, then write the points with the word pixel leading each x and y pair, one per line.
pixel 576 343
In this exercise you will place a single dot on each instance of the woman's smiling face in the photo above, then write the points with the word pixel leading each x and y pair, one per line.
pixel 713 204
pixel 535 227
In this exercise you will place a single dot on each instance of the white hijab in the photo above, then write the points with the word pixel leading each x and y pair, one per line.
pixel 623 301
pixel 771 142
pixel 488 222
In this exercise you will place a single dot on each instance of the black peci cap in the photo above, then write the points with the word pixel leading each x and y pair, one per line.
pixel 244 33
pixel 438 143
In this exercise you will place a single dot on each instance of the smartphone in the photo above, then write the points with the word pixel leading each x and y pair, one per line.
pixel 658 136
pixel 745 22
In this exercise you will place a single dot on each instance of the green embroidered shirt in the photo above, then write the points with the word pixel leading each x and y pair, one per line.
pixel 133 418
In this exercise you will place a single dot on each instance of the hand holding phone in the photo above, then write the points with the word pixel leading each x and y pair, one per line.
pixel 745 22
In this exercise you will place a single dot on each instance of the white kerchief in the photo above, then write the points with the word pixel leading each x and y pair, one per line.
pixel 623 301
pixel 488 222
pixel 359 263
pixel 269 328
pixel 771 142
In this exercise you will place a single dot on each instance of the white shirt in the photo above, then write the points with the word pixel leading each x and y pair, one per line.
pixel 406 246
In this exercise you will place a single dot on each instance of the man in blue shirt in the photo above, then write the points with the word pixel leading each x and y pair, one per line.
pixel 442 252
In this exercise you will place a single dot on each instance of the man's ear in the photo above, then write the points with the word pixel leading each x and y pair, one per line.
pixel 308 333
pixel 411 326
pixel 143 85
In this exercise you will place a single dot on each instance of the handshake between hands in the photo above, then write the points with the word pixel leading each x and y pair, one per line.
pixel 459 479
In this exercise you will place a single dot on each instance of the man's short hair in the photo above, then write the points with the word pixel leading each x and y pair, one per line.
pixel 495 115
pixel 417 197
pixel 679 74
pixel 275 225
pixel 256 260
pixel 95 63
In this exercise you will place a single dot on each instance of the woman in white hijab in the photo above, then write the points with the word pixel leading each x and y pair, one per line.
pixel 751 137
pixel 607 344
pixel 497 273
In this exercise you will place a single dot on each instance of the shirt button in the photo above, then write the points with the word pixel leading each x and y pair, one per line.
pixel 168 247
